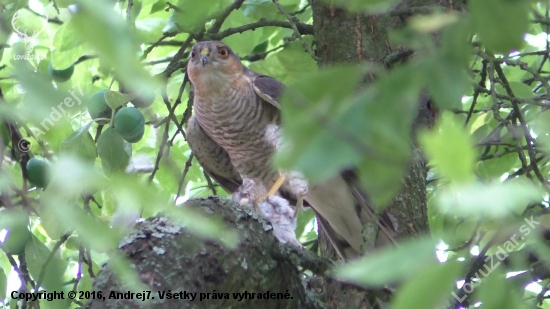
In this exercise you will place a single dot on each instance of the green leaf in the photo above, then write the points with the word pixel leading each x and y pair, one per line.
pixel 111 148
pixel 245 42
pixel 85 283
pixel 159 5
pixel 113 39
pixel 80 143
pixel 72 243
pixel 521 90
pixel 65 189
pixel 489 200
pixel 429 289
pixel 116 99
pixel 459 229
pixel 67 44
pixel 306 107
pixel 36 256
pixel 385 118
pixel 450 150
pixel 433 22
pixel 41 99
pixel 388 265
pixel 447 82
pixel 50 220
pixel 370 130
pixel 496 291
pixel 294 59
pixel 496 167
pixel 190 17
pixel 304 218
pixel 15 221
pixel 501 24
pixel 3 284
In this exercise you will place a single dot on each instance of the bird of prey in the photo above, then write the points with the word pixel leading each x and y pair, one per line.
pixel 234 111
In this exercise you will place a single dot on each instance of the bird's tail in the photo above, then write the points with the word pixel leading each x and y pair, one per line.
pixel 343 210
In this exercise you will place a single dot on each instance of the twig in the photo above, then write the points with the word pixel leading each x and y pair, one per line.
pixel 172 66
pixel 469 241
pixel 164 136
pixel 209 182
pixel 185 171
pixel 261 56
pixel 19 272
pixel 54 4
pixel 303 29
pixel 526 130
pixel 157 43
pixel 474 266
pixel 220 17
pixel 50 20
pixel 79 271
pixel 496 110
pixel 296 32
pixel 541 295
pixel 300 11
pixel 477 91
pixel 84 58
pixel 187 112
pixel 158 61
pixel 170 6
pixel 129 12
pixel 88 260
pixel 25 270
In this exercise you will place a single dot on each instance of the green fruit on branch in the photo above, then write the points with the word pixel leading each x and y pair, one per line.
pixel 61 75
pixel 98 107
pixel 129 122
pixel 38 172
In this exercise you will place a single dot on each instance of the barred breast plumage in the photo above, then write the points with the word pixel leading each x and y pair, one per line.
pixel 237 121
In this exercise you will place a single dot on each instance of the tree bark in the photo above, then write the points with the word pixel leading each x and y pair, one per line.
pixel 169 258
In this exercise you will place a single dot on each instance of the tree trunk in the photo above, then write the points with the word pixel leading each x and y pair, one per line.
pixel 345 37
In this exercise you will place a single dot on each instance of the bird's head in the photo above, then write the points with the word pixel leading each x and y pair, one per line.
pixel 212 59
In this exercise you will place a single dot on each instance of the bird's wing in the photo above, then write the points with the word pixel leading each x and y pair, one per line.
pixel 266 87
pixel 212 157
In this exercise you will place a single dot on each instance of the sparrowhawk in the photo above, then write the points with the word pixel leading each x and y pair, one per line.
pixel 234 109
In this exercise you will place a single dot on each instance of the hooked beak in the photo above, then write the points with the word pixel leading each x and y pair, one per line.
pixel 205 56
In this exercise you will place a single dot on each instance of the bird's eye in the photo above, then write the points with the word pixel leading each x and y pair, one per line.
pixel 223 52
pixel 192 54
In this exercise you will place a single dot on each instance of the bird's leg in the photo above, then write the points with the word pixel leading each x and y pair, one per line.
pixel 299 204
pixel 276 186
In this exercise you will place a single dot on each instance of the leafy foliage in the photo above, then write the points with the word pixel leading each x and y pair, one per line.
pixel 488 151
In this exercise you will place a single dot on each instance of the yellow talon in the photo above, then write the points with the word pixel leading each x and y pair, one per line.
pixel 276 186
